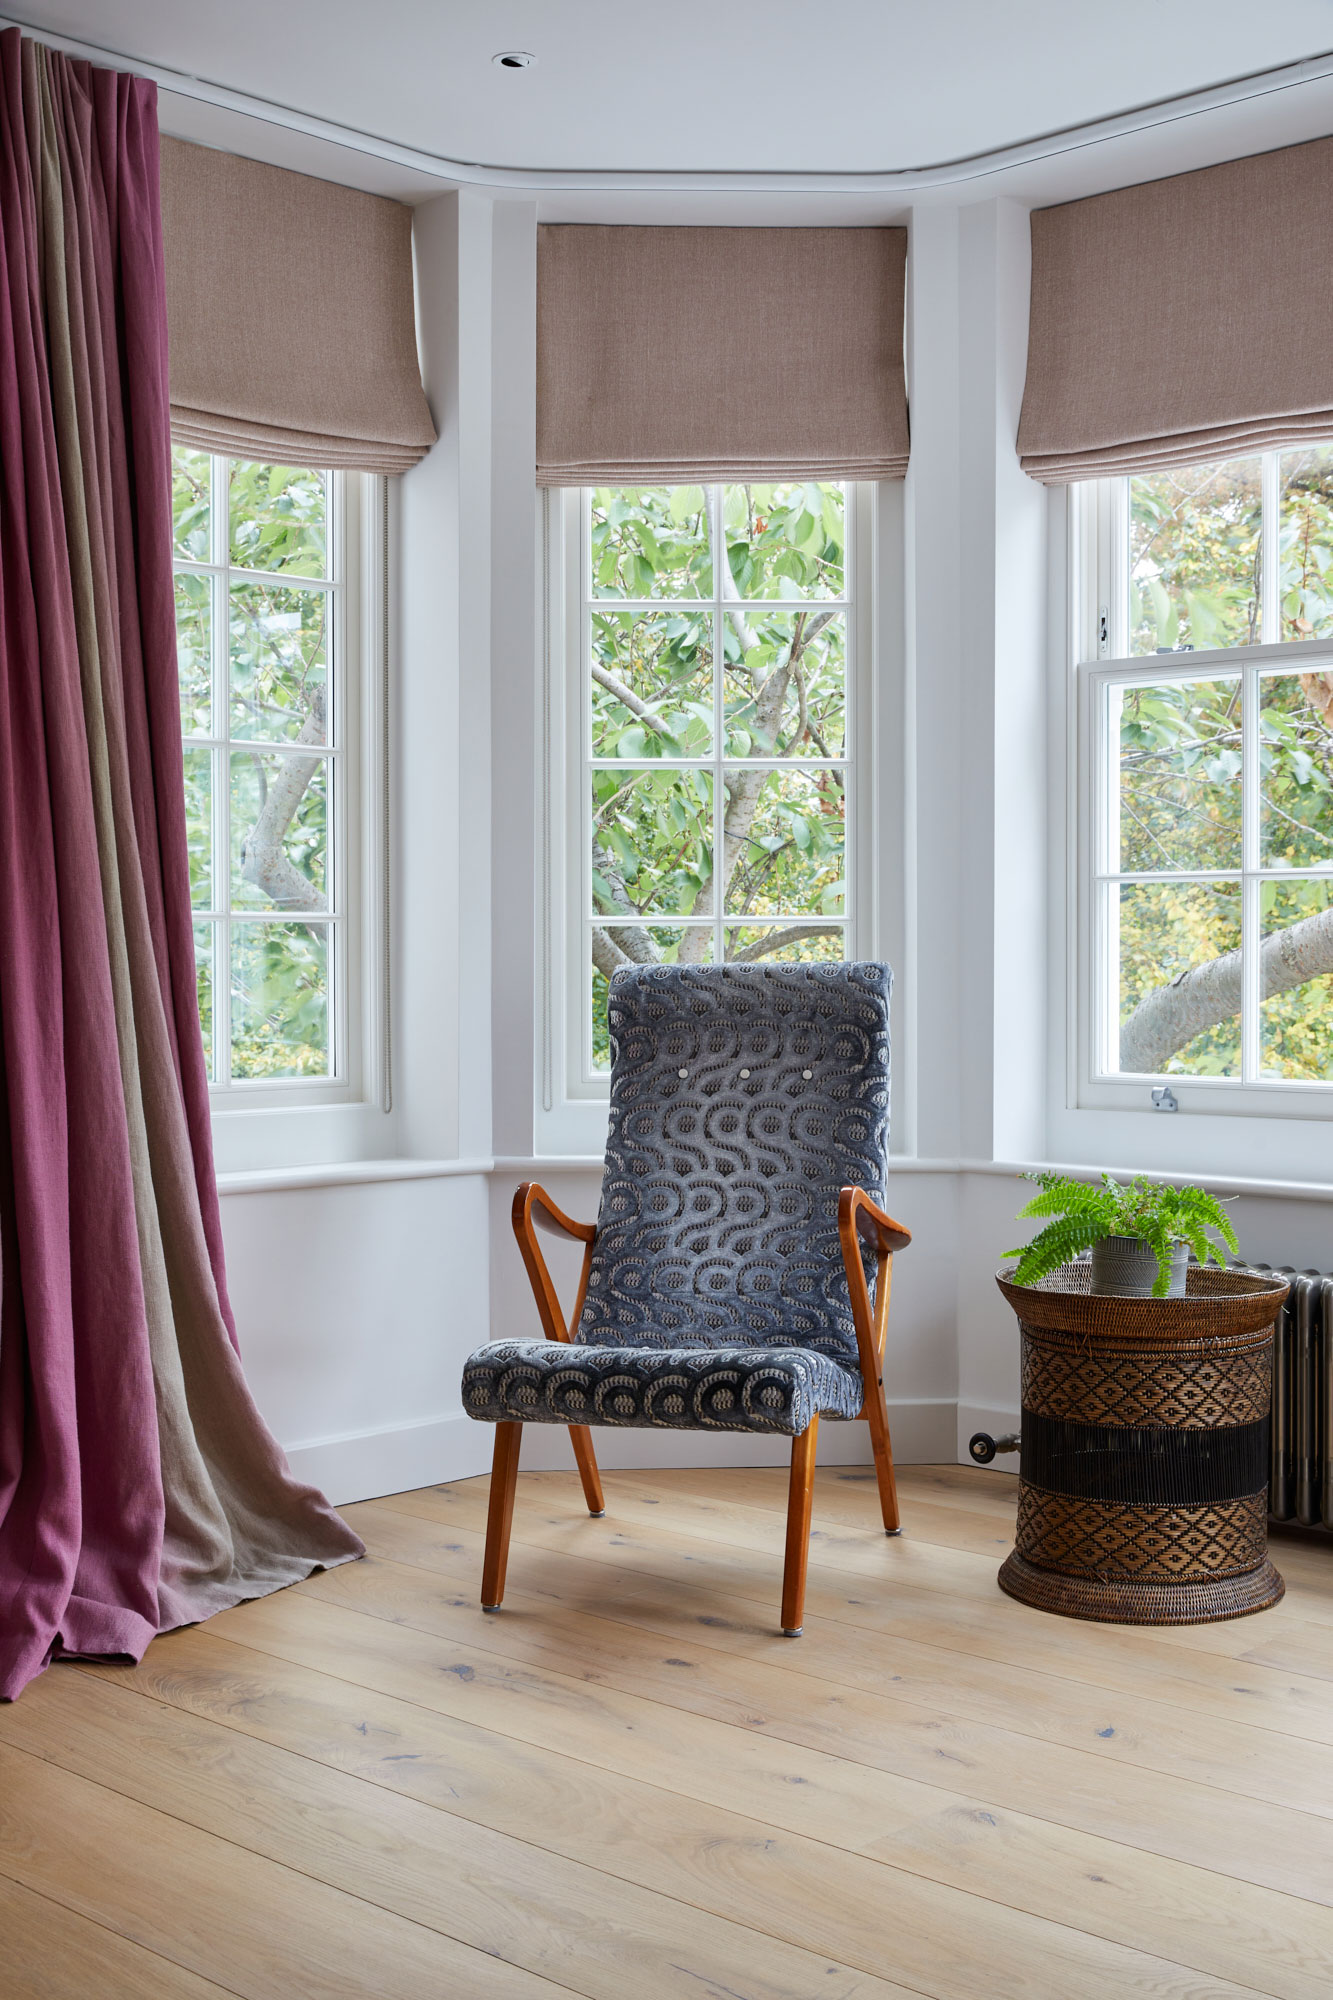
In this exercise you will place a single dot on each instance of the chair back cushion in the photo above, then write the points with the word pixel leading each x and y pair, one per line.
pixel 743 1099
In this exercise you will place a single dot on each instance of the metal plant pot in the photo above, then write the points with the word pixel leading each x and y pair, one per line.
pixel 1125 1267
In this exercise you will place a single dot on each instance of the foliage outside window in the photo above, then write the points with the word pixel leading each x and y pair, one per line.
pixel 1212 835
pixel 716 749
pixel 256 620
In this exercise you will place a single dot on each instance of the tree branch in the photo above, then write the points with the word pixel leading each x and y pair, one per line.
pixel 779 940
pixel 264 859
pixel 1169 1018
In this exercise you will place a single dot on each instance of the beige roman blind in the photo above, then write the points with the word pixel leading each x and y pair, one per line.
pixel 702 354
pixel 1185 319
pixel 290 316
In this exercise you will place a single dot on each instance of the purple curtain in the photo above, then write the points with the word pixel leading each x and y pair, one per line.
pixel 139 1488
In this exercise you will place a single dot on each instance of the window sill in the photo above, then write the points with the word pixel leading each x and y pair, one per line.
pixel 348 1173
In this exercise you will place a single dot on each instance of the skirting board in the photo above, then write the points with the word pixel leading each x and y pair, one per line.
pixel 974 1417
pixel 368 1464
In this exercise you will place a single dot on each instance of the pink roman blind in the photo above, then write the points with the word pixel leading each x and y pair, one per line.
pixel 290 315
pixel 1183 319
pixel 700 354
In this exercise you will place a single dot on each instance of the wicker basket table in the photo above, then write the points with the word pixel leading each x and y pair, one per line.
pixel 1143 1486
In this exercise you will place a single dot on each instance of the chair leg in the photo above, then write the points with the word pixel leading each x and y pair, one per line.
pixel 800 1501
pixel 877 1416
pixel 500 1514
pixel 581 1439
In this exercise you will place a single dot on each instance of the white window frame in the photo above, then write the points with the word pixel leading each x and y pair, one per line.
pixel 571 1099
pixel 262 1123
pixel 1099 634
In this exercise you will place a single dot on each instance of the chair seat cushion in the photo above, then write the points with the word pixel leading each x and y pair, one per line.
pixel 771 1389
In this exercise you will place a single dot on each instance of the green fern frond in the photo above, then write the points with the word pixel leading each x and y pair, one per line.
pixel 1159 1215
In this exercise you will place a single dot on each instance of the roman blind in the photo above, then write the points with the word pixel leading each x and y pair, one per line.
pixel 676 354
pixel 1183 319
pixel 290 316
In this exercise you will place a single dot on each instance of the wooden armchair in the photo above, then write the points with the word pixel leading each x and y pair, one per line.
pixel 738 1277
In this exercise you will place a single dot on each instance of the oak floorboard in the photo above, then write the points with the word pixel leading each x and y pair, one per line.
pixel 627 1786
pixel 934 1940
pixel 572 1924
pixel 265 1931
pixel 48 1952
pixel 917 1726
pixel 879 1599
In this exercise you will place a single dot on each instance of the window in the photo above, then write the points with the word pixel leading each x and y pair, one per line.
pixel 1207 705
pixel 710 732
pixel 265 649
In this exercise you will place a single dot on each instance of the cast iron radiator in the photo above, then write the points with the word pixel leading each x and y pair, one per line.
pixel 1300 1479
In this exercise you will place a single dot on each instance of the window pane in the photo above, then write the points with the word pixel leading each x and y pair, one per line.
pixel 191 511
pixel 279 519
pixel 1296 1017
pixel 1296 770
pixel 666 944
pixel 1180 758
pixel 1306 543
pixel 279 1000
pixel 1166 930
pixel 194 652
pixel 784 843
pixel 199 825
pixel 651 541
pixel 279 662
pixel 784 683
pixel 652 684
pixel 807 944
pixel 1194 557
pixel 652 841
pixel 204 957
pixel 786 540
pixel 279 831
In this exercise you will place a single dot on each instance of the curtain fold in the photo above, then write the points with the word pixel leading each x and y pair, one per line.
pixel 674 354
pixel 290 301
pixel 139 1488
pixel 1180 320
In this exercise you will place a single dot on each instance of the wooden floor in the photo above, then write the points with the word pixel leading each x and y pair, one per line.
pixel 627 1785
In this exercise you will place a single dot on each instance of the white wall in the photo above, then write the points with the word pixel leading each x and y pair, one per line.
pixel 357 1302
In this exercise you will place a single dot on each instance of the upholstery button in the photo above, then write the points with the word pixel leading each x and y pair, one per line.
pixel 807 1074
pixel 682 1072
pixel 745 1072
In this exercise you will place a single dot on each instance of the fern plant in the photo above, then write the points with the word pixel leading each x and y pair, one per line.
pixel 1083 1212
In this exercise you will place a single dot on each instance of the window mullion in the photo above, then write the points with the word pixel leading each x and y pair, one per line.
pixel 1270 607
pixel 1251 913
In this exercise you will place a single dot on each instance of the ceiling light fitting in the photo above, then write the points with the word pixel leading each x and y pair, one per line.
pixel 513 59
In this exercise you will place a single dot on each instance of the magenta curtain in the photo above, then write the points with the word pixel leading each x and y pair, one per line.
pixel 139 1488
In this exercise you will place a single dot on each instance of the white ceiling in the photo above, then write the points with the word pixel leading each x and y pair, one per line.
pixel 794 86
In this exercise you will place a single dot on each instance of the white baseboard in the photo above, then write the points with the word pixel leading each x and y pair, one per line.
pixel 368 1464
pixel 990 1417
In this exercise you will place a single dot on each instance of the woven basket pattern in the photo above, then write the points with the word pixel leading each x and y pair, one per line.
pixel 1101 1539
pixel 1142 1601
pixel 1200 1389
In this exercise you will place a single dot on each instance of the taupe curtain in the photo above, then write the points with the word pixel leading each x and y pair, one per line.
pixel 1185 319
pixel 290 315
pixel 700 354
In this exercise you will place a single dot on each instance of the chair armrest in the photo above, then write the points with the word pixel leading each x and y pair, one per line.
pixel 859 1216
pixel 857 1209
pixel 533 1210
pixel 532 1205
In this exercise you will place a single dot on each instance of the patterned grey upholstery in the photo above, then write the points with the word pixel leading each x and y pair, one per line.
pixel 743 1099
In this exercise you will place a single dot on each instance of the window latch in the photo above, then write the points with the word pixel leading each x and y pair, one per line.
pixel 1164 1099
pixel 1103 630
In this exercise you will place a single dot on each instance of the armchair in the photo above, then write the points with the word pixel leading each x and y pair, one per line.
pixel 738 1276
